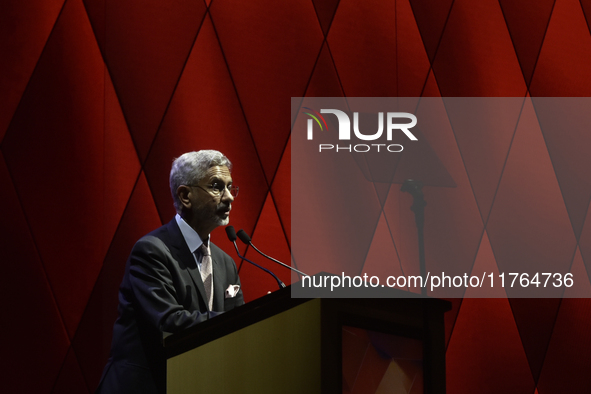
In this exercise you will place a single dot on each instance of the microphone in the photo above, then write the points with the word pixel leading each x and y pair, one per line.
pixel 232 237
pixel 246 239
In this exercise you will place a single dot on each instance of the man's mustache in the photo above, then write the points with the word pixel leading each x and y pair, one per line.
pixel 224 207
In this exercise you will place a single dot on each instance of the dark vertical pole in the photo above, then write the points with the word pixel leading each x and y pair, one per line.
pixel 415 189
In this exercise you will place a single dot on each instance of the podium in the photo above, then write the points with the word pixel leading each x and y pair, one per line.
pixel 296 345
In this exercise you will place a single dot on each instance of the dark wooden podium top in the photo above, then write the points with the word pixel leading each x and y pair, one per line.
pixel 403 315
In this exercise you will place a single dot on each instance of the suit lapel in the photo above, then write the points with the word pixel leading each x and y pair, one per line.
pixel 219 276
pixel 185 258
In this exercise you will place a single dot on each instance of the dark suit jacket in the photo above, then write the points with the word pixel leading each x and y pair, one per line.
pixel 162 291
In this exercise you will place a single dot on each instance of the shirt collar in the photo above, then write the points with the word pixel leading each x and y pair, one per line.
pixel 191 237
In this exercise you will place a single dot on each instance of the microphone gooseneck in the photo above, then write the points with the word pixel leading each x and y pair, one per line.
pixel 246 239
pixel 232 237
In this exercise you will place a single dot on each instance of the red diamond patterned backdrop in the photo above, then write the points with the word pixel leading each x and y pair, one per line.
pixel 98 97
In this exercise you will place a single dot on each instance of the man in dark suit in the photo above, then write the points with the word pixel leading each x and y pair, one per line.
pixel 175 277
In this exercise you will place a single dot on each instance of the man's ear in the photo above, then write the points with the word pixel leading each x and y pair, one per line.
pixel 183 193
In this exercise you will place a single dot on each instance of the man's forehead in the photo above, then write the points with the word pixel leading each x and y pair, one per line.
pixel 217 172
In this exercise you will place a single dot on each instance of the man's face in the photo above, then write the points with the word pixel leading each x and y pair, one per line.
pixel 210 210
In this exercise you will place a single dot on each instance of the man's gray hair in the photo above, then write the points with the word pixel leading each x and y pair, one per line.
pixel 190 168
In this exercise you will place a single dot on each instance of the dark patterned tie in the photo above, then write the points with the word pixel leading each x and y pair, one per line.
pixel 207 274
